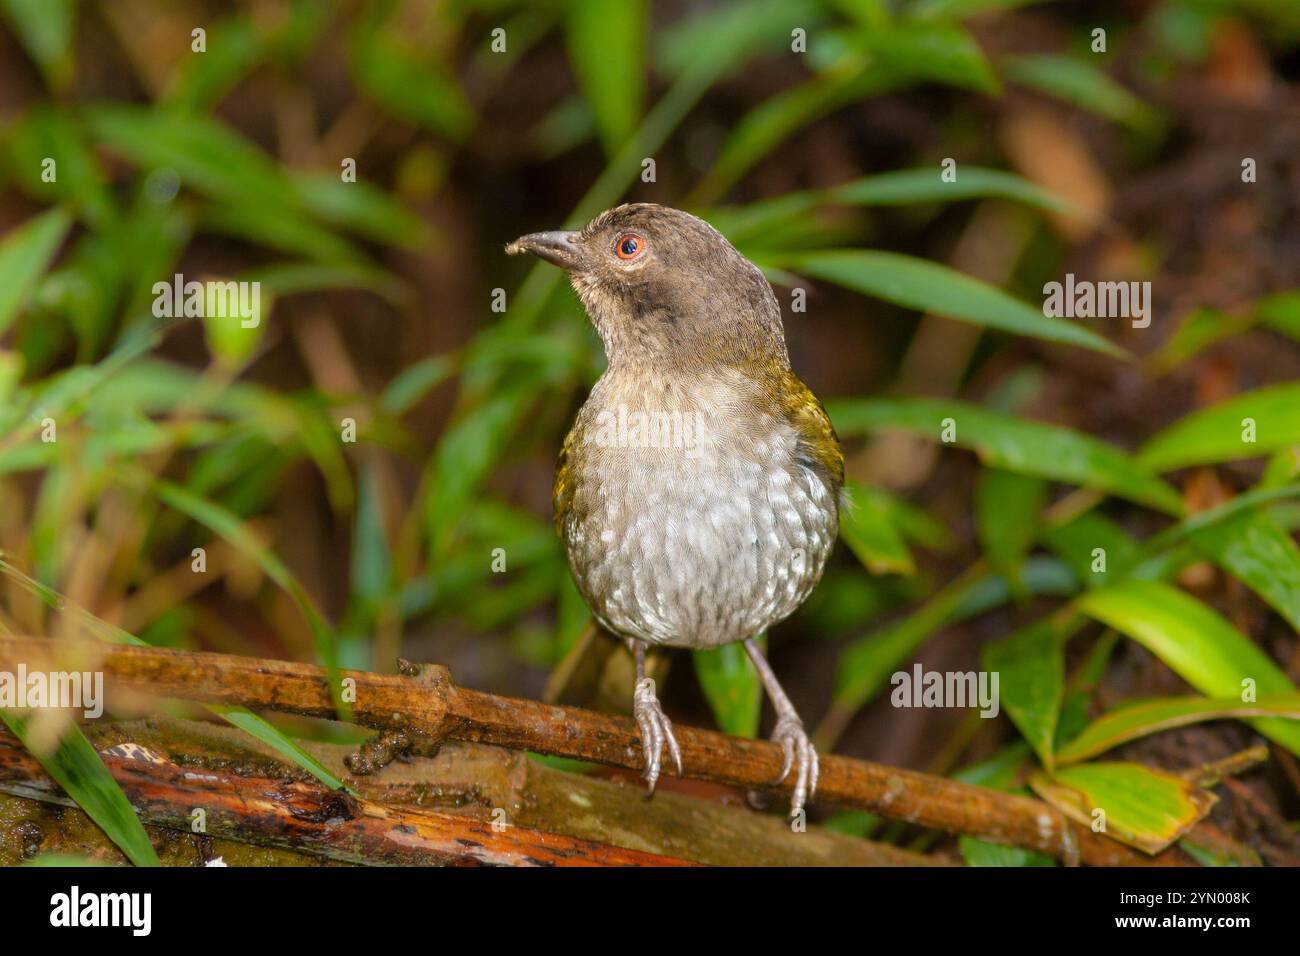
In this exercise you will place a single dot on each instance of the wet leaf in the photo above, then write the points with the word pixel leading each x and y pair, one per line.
pixel 1221 432
pixel 1015 444
pixel 1143 717
pixel 1143 808
pixel 929 287
pixel 1197 644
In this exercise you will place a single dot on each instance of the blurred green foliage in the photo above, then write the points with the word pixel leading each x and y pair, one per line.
pixel 157 454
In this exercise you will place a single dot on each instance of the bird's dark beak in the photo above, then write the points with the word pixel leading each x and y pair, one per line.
pixel 559 248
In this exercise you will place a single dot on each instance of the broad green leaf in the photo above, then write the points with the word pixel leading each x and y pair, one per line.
pixel 1281 313
pixel 929 51
pixel 869 530
pixel 49 133
pixel 409 82
pixel 1030 665
pixel 414 382
pixel 76 767
pixel 1008 506
pixel 1095 547
pixel 732 688
pixel 1254 548
pixel 232 336
pixel 907 186
pixel 1080 83
pixel 1223 432
pixel 1014 444
pixel 1200 329
pixel 928 287
pixel 1197 644
pixel 977 852
pixel 1141 718
pixel 235 46
pixel 24 255
pixel 865 665
pixel 607 49
pixel 776 118
pixel 360 207
pixel 1142 807
pixel 1002 771
pixel 759 220
pixel 46 29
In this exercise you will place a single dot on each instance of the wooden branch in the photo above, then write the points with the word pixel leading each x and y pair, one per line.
pixel 465 779
pixel 295 815
pixel 433 708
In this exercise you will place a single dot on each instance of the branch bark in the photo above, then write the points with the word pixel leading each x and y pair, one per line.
pixel 295 815
pixel 433 709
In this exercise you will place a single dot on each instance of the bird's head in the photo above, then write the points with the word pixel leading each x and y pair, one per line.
pixel 665 289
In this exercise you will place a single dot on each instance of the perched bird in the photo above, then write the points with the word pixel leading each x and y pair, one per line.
pixel 697 493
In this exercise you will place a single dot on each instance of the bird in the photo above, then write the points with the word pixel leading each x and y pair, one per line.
pixel 698 491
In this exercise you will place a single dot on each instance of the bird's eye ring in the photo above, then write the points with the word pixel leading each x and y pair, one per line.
pixel 629 246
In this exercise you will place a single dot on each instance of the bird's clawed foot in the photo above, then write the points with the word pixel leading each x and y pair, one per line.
pixel 656 730
pixel 799 754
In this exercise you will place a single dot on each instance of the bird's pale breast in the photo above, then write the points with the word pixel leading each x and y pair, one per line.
pixel 692 523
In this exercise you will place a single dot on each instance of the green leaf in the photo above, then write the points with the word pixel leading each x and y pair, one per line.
pixel 1078 539
pixel 229 526
pixel 1082 84
pixel 1196 643
pixel 46 132
pixel 360 207
pixel 607 49
pixel 412 383
pixel 865 665
pixel 235 46
pixel 928 287
pixel 924 51
pixel 1014 444
pixel 1143 717
pixel 759 221
pixel 1252 547
pixel 907 186
pixel 273 737
pixel 732 688
pixel 977 852
pixel 46 28
pixel 1030 665
pixel 76 768
pixel 406 80
pixel 1007 517
pixel 868 529
pixel 24 255
pixel 1144 808
pixel 1220 433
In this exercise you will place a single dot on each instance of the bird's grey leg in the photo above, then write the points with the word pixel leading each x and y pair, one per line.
pixel 789 733
pixel 656 728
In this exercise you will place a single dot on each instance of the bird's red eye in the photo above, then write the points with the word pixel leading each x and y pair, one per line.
pixel 629 246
